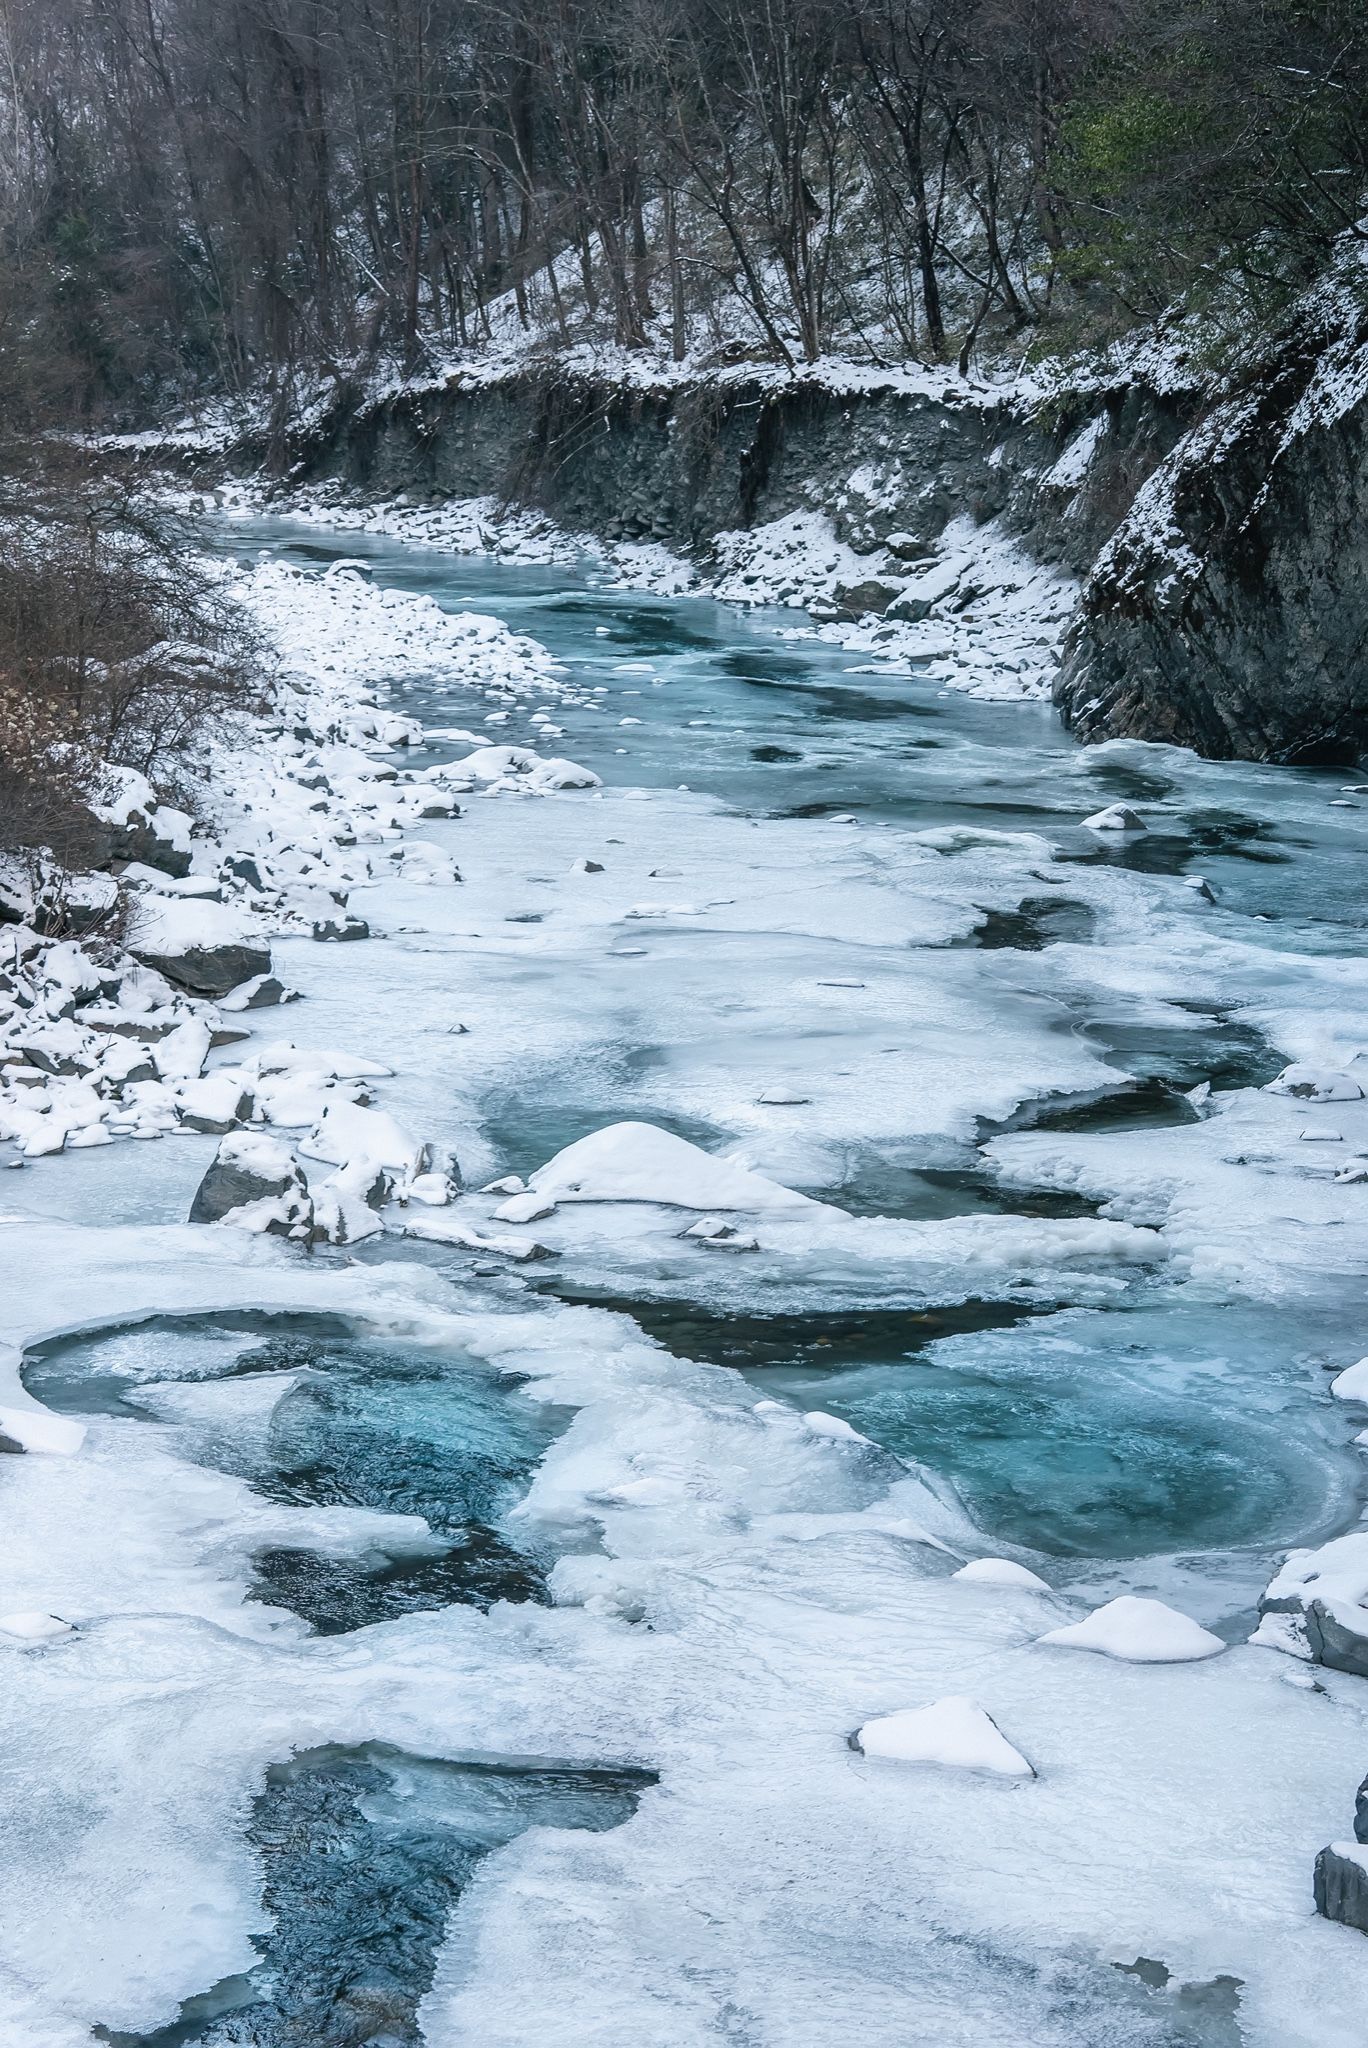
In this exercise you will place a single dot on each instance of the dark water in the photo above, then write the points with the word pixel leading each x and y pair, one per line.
pixel 365 1852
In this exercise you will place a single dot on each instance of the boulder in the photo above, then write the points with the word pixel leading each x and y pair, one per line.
pixel 1316 1605
pixel 201 947
pixel 332 930
pixel 256 1182
pixel 870 596
pixel 1341 1884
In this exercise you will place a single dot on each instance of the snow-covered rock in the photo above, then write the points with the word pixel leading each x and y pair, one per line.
pixel 637 1162
pixel 1116 818
pixel 1315 1084
pixel 519 767
pixel 1316 1605
pixel 338 930
pixel 203 947
pixel 260 993
pixel 255 1182
pixel 527 1207
pixel 346 1205
pixel 954 1731
pixel 1138 1631
pixel 346 1131
pixel 215 1103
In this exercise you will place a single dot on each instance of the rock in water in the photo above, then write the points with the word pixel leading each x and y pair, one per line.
pixel 1116 818
pixel 256 1183
pixel 1341 1884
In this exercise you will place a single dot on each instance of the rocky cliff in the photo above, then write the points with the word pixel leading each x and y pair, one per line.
pixel 681 462
pixel 1229 610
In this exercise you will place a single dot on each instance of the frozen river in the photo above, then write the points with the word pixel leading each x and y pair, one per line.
pixel 878 899
pixel 1072 1274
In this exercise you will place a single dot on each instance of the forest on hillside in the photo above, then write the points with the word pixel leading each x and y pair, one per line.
pixel 231 195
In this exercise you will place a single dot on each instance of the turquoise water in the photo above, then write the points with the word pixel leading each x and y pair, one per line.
pixel 358 1423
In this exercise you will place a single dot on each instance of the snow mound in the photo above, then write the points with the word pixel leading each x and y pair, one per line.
pixel 1352 1383
pixel 33 1626
pixel 1315 1084
pixel 955 1732
pixel 1000 1571
pixel 1138 1631
pixel 635 1162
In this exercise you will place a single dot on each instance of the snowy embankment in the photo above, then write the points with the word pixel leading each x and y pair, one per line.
pixel 976 615
pixel 103 1040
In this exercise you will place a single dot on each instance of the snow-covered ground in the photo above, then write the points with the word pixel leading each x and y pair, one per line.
pixel 730 1053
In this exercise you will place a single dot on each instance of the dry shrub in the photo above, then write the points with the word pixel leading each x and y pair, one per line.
pixel 117 645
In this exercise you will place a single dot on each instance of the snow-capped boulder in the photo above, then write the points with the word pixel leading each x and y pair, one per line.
pixel 215 1104
pixel 833 1426
pixel 202 947
pixel 1315 1084
pixel 1116 818
pixel 954 1731
pixel 255 1182
pixel 262 992
pixel 637 1162
pixel 1138 1631
pixel 518 767
pixel 1316 1605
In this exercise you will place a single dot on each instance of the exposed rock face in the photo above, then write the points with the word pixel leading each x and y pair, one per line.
pixel 1341 1884
pixel 1229 612
pixel 891 466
